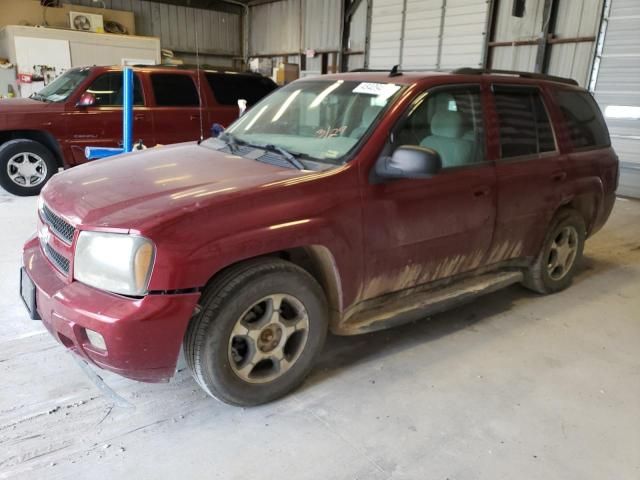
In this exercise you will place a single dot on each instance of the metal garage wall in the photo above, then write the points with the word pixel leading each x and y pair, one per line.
pixel 508 28
pixel 427 34
pixel 275 28
pixel 278 27
pixel 464 33
pixel 219 33
pixel 575 19
pixel 387 19
pixel 422 27
pixel 358 36
pixel 617 86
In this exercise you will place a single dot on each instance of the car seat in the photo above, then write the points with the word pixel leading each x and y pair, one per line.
pixel 449 139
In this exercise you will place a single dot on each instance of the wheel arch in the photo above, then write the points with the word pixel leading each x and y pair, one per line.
pixel 40 136
pixel 318 261
pixel 587 199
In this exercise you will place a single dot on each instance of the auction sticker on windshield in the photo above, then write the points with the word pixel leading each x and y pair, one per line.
pixel 384 90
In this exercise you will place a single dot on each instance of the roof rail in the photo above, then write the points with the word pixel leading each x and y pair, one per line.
pixel 539 76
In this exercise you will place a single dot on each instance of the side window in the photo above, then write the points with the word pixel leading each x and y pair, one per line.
pixel 107 89
pixel 450 122
pixel 584 120
pixel 228 89
pixel 524 124
pixel 174 90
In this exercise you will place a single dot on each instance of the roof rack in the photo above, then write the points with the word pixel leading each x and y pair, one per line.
pixel 539 76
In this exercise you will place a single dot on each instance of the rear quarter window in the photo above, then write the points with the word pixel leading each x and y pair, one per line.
pixel 228 89
pixel 174 90
pixel 583 118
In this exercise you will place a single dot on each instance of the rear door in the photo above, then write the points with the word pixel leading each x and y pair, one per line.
pixel 531 171
pixel 100 125
pixel 422 230
pixel 176 112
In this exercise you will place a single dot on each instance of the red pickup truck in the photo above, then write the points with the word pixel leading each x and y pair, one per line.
pixel 350 203
pixel 50 130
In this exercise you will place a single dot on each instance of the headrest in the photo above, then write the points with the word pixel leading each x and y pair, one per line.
pixel 447 124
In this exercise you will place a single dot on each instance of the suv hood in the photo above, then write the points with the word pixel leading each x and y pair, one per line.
pixel 142 189
pixel 14 105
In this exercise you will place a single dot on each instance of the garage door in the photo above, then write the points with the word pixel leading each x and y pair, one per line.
pixel 427 34
pixel 617 89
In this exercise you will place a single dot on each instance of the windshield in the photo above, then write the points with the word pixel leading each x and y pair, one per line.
pixel 315 119
pixel 62 87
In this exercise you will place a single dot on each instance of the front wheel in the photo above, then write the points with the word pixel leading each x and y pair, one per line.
pixel 25 166
pixel 555 266
pixel 260 329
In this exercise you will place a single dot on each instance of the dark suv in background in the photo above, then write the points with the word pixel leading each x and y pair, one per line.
pixel 51 128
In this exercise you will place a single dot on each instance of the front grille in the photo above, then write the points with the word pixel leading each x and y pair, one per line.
pixel 58 260
pixel 61 228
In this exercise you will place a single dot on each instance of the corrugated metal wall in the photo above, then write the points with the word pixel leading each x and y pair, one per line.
pixel 618 85
pixel 292 26
pixel 427 34
pixel 387 18
pixel 574 19
pixel 219 33
pixel 358 36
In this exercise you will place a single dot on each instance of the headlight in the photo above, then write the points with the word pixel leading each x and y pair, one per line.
pixel 114 262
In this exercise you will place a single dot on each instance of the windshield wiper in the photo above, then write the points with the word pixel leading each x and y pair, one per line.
pixel 38 96
pixel 286 154
pixel 232 141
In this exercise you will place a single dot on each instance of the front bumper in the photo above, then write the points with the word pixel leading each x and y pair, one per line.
pixel 143 336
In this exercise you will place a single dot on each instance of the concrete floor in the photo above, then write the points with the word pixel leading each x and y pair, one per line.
pixel 513 386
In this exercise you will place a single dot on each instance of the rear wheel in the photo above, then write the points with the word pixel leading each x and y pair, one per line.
pixel 260 330
pixel 25 166
pixel 555 266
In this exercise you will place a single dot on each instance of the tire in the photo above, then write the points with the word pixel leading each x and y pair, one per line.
pixel 546 275
pixel 41 162
pixel 244 299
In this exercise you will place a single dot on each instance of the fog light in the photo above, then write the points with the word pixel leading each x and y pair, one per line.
pixel 96 339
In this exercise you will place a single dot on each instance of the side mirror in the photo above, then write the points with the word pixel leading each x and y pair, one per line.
pixel 86 100
pixel 410 162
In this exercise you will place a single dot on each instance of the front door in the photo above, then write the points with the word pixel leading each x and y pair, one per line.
pixel 422 230
pixel 100 125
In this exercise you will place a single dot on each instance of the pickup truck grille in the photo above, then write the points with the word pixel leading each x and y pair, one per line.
pixel 58 260
pixel 61 228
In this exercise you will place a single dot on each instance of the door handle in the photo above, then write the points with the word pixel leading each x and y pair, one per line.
pixel 559 176
pixel 194 117
pixel 138 116
pixel 481 192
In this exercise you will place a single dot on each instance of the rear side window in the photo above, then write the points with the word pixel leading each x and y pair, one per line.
pixel 174 90
pixel 584 120
pixel 228 89
pixel 107 90
pixel 524 124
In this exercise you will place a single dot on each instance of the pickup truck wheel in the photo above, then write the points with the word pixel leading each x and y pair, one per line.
pixel 260 329
pixel 25 166
pixel 555 266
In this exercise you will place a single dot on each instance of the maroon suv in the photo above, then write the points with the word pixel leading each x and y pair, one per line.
pixel 347 203
pixel 83 108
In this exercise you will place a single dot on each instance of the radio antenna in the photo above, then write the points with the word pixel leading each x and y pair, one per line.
pixel 199 89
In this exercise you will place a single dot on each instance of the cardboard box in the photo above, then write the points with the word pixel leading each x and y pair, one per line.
pixel 287 73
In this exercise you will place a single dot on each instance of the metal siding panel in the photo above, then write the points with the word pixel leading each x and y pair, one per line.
pixel 275 28
pixel 386 29
pixel 618 83
pixel 464 33
pixel 358 37
pixel 421 34
pixel 322 24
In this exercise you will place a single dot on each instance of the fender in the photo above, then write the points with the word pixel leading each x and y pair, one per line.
pixel 586 196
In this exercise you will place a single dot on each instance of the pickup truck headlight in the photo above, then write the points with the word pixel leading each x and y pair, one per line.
pixel 115 262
